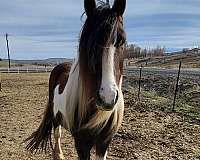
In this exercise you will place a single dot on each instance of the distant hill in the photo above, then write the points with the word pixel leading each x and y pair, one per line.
pixel 49 61
pixel 190 58
pixel 187 51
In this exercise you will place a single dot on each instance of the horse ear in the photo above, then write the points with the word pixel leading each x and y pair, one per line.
pixel 119 7
pixel 89 5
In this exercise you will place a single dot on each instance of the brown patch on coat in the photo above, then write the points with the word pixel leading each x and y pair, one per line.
pixel 59 76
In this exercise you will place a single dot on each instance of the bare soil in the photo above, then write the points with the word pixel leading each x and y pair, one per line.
pixel 148 132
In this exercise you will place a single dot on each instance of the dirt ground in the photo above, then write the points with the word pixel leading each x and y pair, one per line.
pixel 146 133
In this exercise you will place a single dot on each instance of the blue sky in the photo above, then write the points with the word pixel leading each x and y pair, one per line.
pixel 50 28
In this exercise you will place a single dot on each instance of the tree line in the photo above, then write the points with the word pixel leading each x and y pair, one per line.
pixel 134 51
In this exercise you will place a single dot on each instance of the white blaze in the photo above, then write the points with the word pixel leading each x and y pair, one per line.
pixel 108 89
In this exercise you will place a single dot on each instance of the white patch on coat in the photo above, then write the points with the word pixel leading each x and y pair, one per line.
pixel 108 89
pixel 67 101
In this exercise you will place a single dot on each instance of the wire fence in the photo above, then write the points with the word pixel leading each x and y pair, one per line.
pixel 173 84
pixel 168 83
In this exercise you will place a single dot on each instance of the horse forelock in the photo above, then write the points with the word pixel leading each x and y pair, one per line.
pixel 95 36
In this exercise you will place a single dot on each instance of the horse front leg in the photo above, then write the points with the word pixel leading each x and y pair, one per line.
pixel 84 142
pixel 83 149
pixel 57 152
pixel 101 150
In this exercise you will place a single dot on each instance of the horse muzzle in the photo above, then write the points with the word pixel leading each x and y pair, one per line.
pixel 107 100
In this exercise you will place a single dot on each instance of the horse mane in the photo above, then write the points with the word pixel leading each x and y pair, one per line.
pixel 98 32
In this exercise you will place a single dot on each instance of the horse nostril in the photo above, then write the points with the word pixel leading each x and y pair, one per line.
pixel 99 100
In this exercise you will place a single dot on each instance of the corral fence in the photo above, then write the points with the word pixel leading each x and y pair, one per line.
pixel 29 69
pixel 163 82
pixel 23 69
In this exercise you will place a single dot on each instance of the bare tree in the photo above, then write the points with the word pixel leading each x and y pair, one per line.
pixel 134 51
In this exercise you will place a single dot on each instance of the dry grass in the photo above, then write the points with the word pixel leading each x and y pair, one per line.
pixel 3 64
pixel 170 61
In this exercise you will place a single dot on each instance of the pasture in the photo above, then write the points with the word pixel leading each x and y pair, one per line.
pixel 149 129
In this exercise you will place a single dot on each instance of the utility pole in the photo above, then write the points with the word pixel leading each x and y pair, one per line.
pixel 176 89
pixel 8 49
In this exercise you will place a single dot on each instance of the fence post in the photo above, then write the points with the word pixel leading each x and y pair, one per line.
pixel 139 89
pixel 8 50
pixel 176 89
pixel 0 81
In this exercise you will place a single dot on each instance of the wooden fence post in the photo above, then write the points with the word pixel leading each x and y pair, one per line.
pixel 176 89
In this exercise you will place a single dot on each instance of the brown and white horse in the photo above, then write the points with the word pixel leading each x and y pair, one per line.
pixel 86 98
